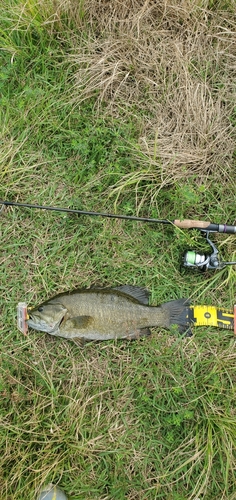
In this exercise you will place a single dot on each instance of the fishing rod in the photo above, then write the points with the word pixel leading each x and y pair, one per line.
pixel 191 258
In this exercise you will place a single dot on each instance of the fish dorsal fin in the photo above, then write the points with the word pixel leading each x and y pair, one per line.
pixel 140 294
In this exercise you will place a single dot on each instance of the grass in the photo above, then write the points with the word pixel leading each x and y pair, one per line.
pixel 129 109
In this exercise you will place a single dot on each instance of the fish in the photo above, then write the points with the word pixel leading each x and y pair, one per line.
pixel 106 313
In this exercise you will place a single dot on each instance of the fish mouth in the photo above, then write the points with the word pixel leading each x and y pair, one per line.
pixel 40 325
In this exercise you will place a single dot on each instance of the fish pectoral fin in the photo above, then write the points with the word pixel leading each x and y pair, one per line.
pixel 80 342
pixel 79 322
pixel 142 332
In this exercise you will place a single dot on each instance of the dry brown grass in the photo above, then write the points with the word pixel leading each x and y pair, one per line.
pixel 173 63
pixel 170 65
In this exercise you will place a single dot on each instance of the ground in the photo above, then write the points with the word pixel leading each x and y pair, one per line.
pixel 128 108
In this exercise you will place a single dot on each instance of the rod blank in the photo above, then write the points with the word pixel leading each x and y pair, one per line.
pixel 183 224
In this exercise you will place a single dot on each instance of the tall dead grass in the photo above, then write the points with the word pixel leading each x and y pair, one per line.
pixel 173 64
pixel 169 64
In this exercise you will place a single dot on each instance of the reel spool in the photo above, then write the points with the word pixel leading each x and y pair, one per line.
pixel 201 261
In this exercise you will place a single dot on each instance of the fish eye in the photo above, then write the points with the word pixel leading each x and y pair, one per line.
pixel 40 309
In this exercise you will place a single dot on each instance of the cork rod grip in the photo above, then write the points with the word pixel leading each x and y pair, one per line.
pixel 191 224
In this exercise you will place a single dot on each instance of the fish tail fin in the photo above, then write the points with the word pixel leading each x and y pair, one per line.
pixel 177 312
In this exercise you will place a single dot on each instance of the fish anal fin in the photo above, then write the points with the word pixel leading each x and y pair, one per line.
pixel 142 332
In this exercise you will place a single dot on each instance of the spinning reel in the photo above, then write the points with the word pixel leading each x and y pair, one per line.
pixel 203 262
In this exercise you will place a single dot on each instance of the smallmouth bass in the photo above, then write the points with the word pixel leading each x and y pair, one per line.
pixel 103 314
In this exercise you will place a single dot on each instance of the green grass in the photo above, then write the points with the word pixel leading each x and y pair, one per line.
pixel 150 419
